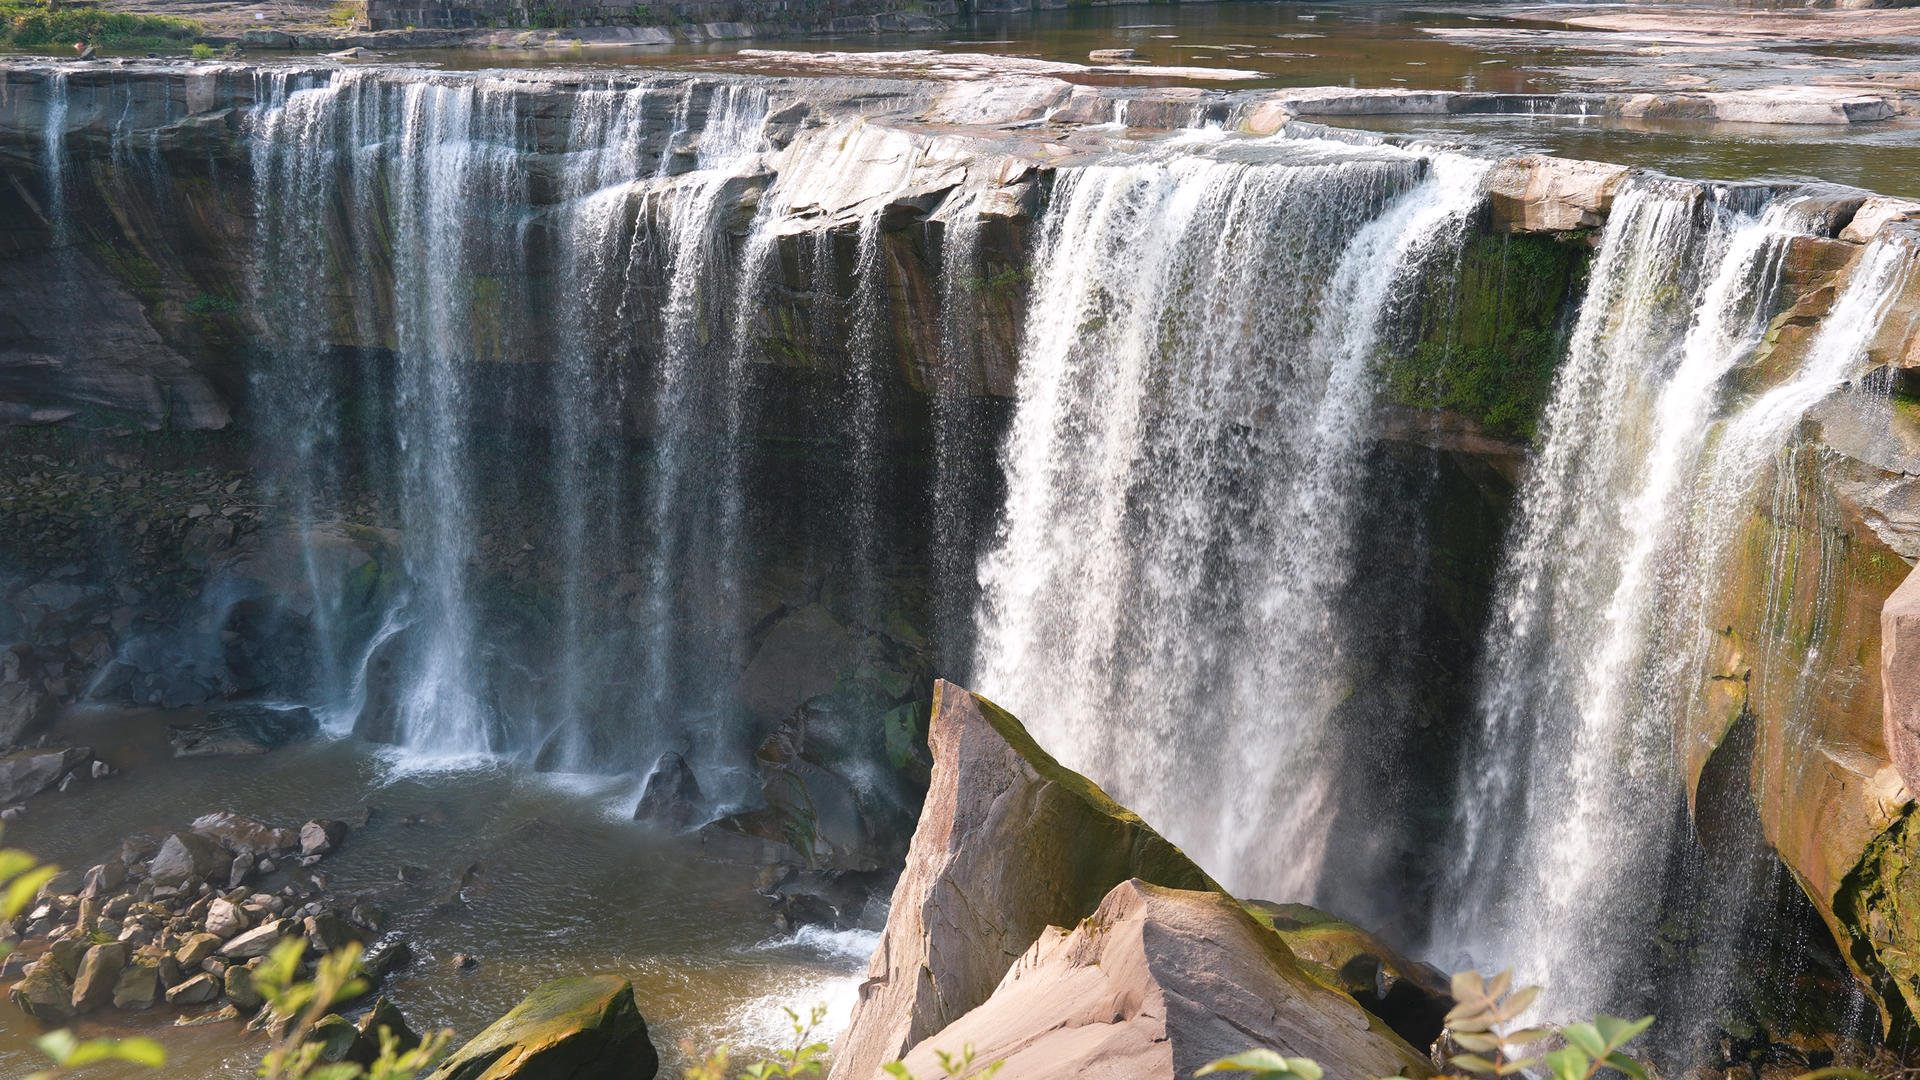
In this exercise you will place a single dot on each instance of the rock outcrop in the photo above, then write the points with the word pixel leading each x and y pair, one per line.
pixel 1154 984
pixel 1009 843
pixel 1160 969
pixel 583 1028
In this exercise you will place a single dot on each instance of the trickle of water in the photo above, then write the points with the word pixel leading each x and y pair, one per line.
pixel 1161 600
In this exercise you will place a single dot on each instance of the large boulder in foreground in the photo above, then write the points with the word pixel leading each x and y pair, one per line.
pixel 1009 843
pixel 583 1028
pixel 1155 984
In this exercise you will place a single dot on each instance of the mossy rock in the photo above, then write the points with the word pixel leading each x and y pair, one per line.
pixel 582 1028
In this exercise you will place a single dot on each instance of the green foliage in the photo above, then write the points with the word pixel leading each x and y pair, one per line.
pixel 298 1005
pixel 208 303
pixel 1491 335
pixel 1266 1065
pixel 67 1052
pixel 201 51
pixel 26 24
pixel 1481 1020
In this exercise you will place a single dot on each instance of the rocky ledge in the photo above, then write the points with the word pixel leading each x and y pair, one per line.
pixel 1052 929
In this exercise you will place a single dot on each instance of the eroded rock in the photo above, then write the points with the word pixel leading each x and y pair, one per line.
pixel 583 1028
pixel 1156 983
pixel 1005 830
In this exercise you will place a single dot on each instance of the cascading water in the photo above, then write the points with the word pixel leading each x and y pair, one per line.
pixel 1162 603
pixel 1572 795
pixel 448 291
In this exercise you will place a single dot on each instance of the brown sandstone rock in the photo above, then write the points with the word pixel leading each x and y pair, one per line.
pixel 1548 194
pixel 1156 983
pixel 1009 843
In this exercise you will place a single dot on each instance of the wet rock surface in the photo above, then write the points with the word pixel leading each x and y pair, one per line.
pixel 583 1028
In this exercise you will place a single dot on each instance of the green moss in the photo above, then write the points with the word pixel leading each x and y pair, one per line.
pixel 1491 339
pixel 1878 906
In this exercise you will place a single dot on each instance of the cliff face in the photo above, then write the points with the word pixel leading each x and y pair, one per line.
pixel 844 301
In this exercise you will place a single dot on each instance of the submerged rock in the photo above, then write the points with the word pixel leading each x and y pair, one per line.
pixel 672 796
pixel 583 1028
pixel 30 772
pixel 1009 843
pixel 242 731
pixel 1154 984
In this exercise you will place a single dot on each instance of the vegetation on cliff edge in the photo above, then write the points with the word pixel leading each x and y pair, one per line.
pixel 37 26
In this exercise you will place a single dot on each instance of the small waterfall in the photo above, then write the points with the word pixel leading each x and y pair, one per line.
pixel 1162 600
pixel 55 140
pixel 957 440
pixel 1572 798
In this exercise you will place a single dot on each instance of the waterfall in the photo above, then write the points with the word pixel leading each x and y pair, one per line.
pixel 54 138
pixel 407 214
pixel 1162 599
pixel 1598 645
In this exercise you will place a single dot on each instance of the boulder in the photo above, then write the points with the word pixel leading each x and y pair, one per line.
pixel 198 990
pixel 238 984
pixel 327 932
pixel 1009 843
pixel 671 799
pixel 1876 212
pixel 99 972
pixel 196 948
pixel 226 919
pixel 103 879
pixel 244 835
pixel 184 856
pixel 258 941
pixel 321 837
pixel 1412 997
pixel 24 712
pixel 1156 983
pixel 1539 193
pixel 138 986
pixel 385 1015
pixel 46 994
pixel 30 772
pixel 582 1028
pixel 242 731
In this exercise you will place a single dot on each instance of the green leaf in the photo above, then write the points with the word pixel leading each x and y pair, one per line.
pixel 1497 986
pixel 1468 986
pixel 1568 1063
pixel 344 1070
pixel 14 862
pixel 1519 1001
pixel 1479 1044
pixel 1620 1032
pixel 899 1070
pixel 1588 1038
pixel 1473 1063
pixel 1518 1065
pixel 1523 1037
pixel 1626 1065
pixel 1250 1061
pixel 23 890
pixel 59 1046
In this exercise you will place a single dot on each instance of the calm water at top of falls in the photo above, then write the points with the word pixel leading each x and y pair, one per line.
pixel 1485 47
